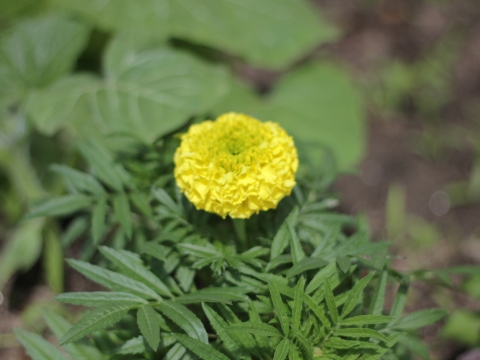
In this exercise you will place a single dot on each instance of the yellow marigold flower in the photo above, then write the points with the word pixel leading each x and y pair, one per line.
pixel 236 165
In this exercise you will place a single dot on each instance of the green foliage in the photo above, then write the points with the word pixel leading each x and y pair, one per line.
pixel 303 289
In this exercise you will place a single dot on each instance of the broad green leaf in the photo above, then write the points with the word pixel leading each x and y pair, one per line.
pixel 221 294
pixel 98 298
pixel 259 329
pixel 22 250
pixel 135 270
pixel 147 94
pixel 78 351
pixel 282 349
pixel 98 220
pixel 360 332
pixel 79 181
pixel 366 320
pixel 229 339
pixel 298 303
pixel 204 351
pixel 60 206
pixel 113 280
pixel 267 33
pixel 37 51
pixel 295 245
pixel 305 265
pixel 37 347
pixel 149 325
pixel 279 306
pixel 354 295
pixel 418 319
pixel 317 103
pixel 281 239
pixel 184 318
pixel 95 320
pixel 332 307
pixel 121 207
pixel 147 17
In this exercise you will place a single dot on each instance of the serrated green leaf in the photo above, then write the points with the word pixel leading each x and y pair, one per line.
pixel 328 271
pixel 98 220
pixel 98 298
pixel 229 339
pixel 378 300
pixel 280 241
pixel 37 51
pixel 198 250
pixel 60 206
pixel 338 343
pixel 282 349
pixel 74 230
pixel 400 300
pixel 101 162
pixel 37 347
pixel 304 343
pixel 79 181
pixel 135 270
pixel 305 265
pixel 113 280
pixel 279 260
pixel 295 245
pixel 78 351
pixel 332 307
pixel 142 202
pixel 354 295
pixel 221 294
pixel 279 308
pixel 95 320
pixel 184 318
pixel 165 199
pixel 121 207
pixel 149 325
pixel 317 311
pixel 360 332
pixel 204 351
pixel 137 345
pixel 156 250
pixel 417 319
pixel 366 320
pixel 298 303
pixel 259 329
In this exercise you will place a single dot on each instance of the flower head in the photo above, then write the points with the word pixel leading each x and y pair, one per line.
pixel 236 165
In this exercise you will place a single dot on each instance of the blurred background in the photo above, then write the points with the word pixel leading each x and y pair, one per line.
pixel 391 87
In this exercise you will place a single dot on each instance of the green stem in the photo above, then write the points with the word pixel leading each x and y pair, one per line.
pixel 239 226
